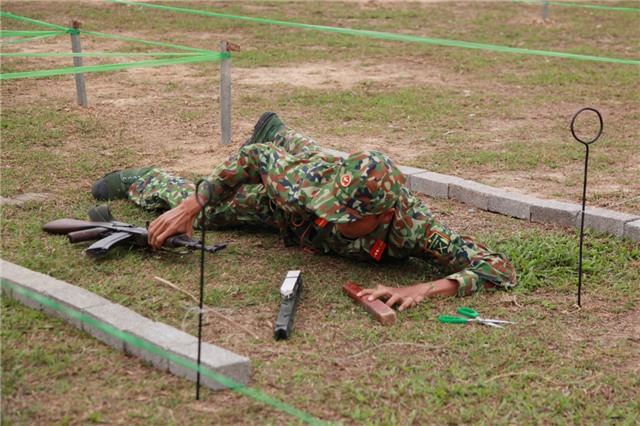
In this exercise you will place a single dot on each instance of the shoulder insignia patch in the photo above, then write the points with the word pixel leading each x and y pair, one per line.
pixel 345 180
pixel 437 244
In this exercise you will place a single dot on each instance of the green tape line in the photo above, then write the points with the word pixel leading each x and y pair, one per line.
pixel 22 33
pixel 389 36
pixel 31 21
pixel 132 340
pixel 77 31
pixel 29 39
pixel 194 55
pixel 98 55
pixel 586 6
pixel 116 67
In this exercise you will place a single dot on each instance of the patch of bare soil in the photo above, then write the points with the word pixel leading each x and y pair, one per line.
pixel 25 198
pixel 332 75
pixel 171 115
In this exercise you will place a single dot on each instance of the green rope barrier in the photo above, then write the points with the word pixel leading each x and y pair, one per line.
pixel 97 55
pixel 32 21
pixel 193 55
pixel 22 33
pixel 586 6
pixel 77 31
pixel 132 340
pixel 215 56
pixel 387 36
pixel 30 38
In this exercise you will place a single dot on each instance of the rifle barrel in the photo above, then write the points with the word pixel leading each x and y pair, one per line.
pixel 86 235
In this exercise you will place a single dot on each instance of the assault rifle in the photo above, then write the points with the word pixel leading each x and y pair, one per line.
pixel 111 234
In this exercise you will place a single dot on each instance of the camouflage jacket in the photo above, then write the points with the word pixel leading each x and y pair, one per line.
pixel 292 176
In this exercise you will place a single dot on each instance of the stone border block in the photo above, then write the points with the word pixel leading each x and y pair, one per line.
pixel 408 171
pixel 632 230
pixel 64 294
pixel 472 193
pixel 510 204
pixel 335 152
pixel 162 336
pixel 165 338
pixel 39 284
pixel 220 361
pixel 607 220
pixel 432 184
pixel 75 299
pixel 564 214
pixel 118 317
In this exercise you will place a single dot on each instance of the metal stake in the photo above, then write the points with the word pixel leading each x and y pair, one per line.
pixel 81 91
pixel 545 10
pixel 225 97
pixel 203 225
pixel 225 92
pixel 584 189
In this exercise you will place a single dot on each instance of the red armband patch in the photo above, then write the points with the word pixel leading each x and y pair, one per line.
pixel 378 249
pixel 321 222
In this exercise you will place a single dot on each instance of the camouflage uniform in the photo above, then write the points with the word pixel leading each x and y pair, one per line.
pixel 295 187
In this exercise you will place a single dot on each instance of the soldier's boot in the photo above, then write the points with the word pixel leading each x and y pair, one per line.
pixel 116 184
pixel 265 129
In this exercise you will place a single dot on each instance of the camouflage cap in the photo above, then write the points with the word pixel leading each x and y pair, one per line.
pixel 366 183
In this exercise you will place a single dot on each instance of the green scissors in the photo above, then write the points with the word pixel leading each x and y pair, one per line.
pixel 472 315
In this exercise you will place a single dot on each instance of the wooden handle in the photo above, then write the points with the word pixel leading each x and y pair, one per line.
pixel 377 309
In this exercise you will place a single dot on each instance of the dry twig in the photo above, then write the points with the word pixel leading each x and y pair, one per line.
pixel 208 309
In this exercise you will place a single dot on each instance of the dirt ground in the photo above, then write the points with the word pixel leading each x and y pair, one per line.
pixel 171 114
pixel 188 145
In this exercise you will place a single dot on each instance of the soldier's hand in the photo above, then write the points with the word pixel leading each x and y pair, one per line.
pixel 178 220
pixel 409 297
pixel 406 297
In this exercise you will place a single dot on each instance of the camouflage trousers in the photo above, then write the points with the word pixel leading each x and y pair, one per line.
pixel 250 205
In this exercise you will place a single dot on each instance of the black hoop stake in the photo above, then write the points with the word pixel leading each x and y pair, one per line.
pixel 203 225
pixel 584 188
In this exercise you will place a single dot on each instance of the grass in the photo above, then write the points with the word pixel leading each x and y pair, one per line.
pixel 468 113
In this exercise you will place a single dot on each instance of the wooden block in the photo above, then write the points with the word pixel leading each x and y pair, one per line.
pixel 377 309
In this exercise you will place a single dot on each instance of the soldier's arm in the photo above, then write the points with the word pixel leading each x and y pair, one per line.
pixel 474 266
pixel 248 166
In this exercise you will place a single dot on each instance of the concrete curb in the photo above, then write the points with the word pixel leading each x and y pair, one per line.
pixel 516 205
pixel 522 206
pixel 221 361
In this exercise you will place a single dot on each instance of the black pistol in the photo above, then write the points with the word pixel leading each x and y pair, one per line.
pixel 289 295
